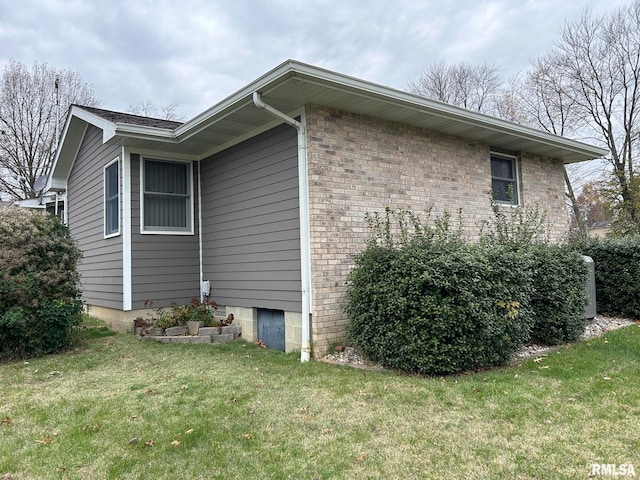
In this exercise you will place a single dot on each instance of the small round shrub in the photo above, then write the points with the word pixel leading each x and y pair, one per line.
pixel 39 296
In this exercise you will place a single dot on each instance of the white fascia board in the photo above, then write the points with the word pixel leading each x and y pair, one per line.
pixel 146 152
pixel 29 203
pixel 58 183
pixel 142 132
pixel 92 118
pixel 111 129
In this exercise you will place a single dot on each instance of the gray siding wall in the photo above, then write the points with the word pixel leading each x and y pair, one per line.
pixel 251 222
pixel 164 268
pixel 101 265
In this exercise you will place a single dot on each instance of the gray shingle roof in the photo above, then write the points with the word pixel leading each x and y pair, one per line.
pixel 129 118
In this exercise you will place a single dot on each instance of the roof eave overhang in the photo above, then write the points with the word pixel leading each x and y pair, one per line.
pixel 576 150
pixel 565 149
pixel 290 84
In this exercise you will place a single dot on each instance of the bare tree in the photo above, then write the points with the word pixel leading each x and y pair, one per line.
pixel 474 87
pixel 148 109
pixel 539 99
pixel 29 122
pixel 599 59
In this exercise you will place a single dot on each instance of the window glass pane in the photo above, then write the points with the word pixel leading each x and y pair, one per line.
pixel 502 167
pixel 112 203
pixel 166 177
pixel 112 180
pixel 505 191
pixel 166 195
pixel 504 183
pixel 164 211
pixel 112 216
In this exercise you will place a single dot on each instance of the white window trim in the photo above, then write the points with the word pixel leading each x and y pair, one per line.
pixel 516 164
pixel 188 231
pixel 104 199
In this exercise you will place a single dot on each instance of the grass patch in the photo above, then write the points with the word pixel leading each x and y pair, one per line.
pixel 116 407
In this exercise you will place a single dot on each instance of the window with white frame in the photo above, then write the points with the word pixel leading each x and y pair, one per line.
pixel 112 198
pixel 167 203
pixel 504 178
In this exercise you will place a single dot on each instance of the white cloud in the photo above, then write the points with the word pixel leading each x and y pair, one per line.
pixel 196 52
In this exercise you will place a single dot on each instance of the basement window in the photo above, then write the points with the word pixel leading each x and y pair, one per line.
pixel 167 201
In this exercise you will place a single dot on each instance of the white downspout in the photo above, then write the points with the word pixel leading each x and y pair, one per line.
pixel 305 246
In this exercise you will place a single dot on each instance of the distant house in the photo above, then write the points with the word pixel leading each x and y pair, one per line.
pixel 599 229
pixel 260 200
pixel 52 203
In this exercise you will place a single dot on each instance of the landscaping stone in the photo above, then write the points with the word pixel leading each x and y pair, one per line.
pixel 175 331
pixel 204 334
pixel 228 337
pixel 180 339
pixel 234 330
pixel 156 331
pixel 208 331
pixel 161 339
pixel 193 327
pixel 200 339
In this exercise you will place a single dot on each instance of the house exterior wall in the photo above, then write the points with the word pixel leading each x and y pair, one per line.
pixel 251 223
pixel 101 265
pixel 164 268
pixel 359 165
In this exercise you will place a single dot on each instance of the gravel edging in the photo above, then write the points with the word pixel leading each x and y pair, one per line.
pixel 599 325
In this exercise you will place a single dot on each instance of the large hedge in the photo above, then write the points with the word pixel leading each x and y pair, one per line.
pixel 39 296
pixel 617 270
pixel 434 303
pixel 437 307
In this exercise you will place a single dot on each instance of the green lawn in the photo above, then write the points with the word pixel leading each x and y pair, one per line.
pixel 118 408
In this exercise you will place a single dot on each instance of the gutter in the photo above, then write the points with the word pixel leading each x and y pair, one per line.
pixel 305 246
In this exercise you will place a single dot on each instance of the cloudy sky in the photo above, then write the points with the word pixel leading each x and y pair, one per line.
pixel 194 53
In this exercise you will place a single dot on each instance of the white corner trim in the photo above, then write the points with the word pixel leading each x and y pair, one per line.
pixel 126 231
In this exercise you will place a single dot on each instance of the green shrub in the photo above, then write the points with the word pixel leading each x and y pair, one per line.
pixel 38 284
pixel 559 299
pixel 422 299
pixel 557 273
pixel 31 332
pixel 617 271
pixel 437 306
